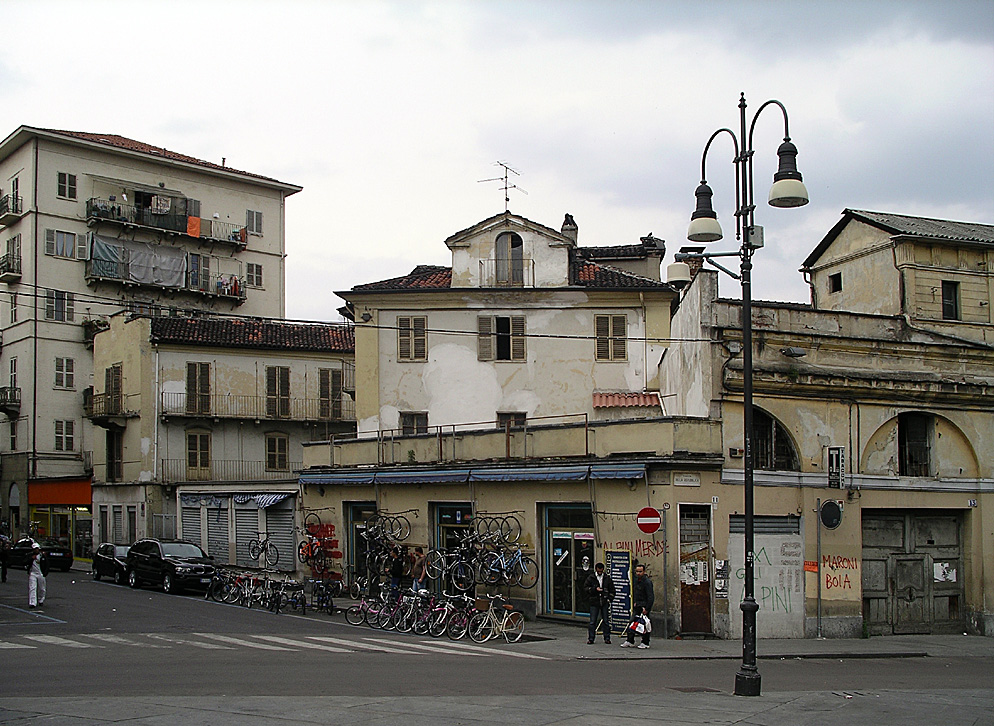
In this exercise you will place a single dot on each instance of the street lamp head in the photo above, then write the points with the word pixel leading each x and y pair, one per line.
pixel 788 189
pixel 704 225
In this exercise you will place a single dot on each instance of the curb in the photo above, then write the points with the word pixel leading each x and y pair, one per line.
pixel 793 656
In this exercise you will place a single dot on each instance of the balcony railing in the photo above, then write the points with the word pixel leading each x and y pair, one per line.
pixel 208 229
pixel 102 404
pixel 11 208
pixel 10 267
pixel 227 286
pixel 338 408
pixel 175 470
pixel 10 398
pixel 507 273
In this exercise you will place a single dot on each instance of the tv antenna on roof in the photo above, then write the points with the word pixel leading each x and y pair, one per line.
pixel 507 185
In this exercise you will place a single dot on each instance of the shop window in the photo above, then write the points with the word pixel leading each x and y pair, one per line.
pixel 412 338
pixel 913 442
pixel 773 449
pixel 612 337
pixel 501 337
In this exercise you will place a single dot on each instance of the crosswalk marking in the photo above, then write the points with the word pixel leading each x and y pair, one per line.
pixel 118 640
pixel 56 640
pixel 365 646
pixel 239 641
pixel 301 644
pixel 195 643
pixel 14 645
pixel 510 653
pixel 433 648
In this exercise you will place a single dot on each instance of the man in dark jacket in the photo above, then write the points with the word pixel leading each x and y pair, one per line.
pixel 642 599
pixel 600 590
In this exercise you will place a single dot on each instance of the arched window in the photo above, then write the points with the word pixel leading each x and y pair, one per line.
pixel 773 449
pixel 510 260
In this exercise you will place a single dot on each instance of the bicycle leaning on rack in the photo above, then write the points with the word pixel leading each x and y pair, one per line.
pixel 264 545
pixel 496 617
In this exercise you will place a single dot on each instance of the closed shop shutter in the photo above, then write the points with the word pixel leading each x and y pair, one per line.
pixel 119 526
pixel 279 525
pixel 191 524
pixel 246 530
pixel 217 533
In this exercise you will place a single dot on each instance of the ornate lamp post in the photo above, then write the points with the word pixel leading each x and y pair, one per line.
pixel 787 191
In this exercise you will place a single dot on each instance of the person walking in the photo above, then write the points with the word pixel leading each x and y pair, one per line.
pixel 600 590
pixel 642 599
pixel 418 570
pixel 36 577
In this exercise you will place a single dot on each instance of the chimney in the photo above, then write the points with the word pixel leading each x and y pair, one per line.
pixel 569 229
pixel 694 264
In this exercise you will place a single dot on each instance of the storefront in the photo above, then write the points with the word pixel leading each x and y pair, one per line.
pixel 61 509
pixel 570 557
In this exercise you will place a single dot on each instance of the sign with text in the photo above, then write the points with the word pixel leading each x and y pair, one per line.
pixel 836 466
pixel 619 566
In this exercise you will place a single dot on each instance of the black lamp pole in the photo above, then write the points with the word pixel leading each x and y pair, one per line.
pixel 788 191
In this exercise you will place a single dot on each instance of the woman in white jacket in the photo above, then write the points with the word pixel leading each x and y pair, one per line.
pixel 36 578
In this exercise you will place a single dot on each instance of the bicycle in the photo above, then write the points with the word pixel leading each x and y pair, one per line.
pixel 486 624
pixel 311 552
pixel 514 569
pixel 264 545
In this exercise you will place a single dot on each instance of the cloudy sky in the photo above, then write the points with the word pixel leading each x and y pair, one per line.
pixel 389 113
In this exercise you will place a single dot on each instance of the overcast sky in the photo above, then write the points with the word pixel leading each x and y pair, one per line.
pixel 389 113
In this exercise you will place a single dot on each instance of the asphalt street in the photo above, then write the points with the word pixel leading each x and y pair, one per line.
pixel 100 653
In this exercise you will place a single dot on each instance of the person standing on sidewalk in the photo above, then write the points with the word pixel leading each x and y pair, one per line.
pixel 4 553
pixel 36 577
pixel 418 571
pixel 642 599
pixel 600 589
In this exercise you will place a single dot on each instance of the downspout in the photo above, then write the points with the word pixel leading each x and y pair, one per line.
pixel 34 373
pixel 645 342
pixel 155 430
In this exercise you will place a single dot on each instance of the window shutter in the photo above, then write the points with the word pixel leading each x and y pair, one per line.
pixel 404 334
pixel 420 351
pixel 49 241
pixel 336 388
pixel 284 390
pixel 50 305
pixel 324 392
pixel 485 339
pixel 82 246
pixel 191 387
pixel 70 309
pixel 204 387
pixel 619 334
pixel 271 392
pixel 603 333
pixel 518 337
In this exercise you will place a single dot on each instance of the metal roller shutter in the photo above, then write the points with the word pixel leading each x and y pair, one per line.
pixel 217 533
pixel 279 525
pixel 246 527
pixel 191 524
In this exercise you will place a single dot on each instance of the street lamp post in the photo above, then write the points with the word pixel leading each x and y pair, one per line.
pixel 787 191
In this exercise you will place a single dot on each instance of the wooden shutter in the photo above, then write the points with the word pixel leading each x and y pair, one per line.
pixel 324 393
pixel 70 307
pixel 49 241
pixel 405 345
pixel 336 391
pixel 271 394
pixel 619 337
pixel 277 391
pixel 602 329
pixel 82 247
pixel 485 338
pixel 50 305
pixel 113 379
pixel 518 337
pixel 420 335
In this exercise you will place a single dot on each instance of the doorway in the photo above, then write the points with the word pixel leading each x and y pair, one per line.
pixel 569 559
pixel 695 557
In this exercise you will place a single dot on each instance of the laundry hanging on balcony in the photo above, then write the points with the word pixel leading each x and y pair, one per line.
pixel 138 262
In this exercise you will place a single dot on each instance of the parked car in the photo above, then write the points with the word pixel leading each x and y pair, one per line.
pixel 59 556
pixel 111 560
pixel 174 564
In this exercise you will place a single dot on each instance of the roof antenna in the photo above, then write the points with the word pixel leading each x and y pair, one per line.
pixel 507 187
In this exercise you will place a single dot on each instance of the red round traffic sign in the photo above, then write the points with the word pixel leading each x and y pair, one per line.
pixel 648 519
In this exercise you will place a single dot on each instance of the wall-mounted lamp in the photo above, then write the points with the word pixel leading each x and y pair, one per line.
pixel 366 317
pixel 793 352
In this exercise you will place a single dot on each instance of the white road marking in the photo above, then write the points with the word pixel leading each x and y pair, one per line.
pixel 301 644
pixel 118 640
pixel 365 646
pixel 509 653
pixel 195 643
pixel 15 645
pixel 239 641
pixel 56 640
pixel 432 648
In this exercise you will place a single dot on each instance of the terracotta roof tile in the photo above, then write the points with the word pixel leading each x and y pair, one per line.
pixel 422 277
pixel 626 400
pixel 591 274
pixel 267 335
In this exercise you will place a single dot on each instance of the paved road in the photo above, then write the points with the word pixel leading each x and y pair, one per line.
pixel 110 652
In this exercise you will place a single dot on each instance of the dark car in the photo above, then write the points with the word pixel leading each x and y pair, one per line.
pixel 58 555
pixel 174 564
pixel 110 560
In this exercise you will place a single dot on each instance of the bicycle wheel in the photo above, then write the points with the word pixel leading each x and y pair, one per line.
pixel 312 522
pixel 231 593
pixel 510 529
pixel 514 626
pixel 303 549
pixel 526 573
pixel 457 625
pixel 355 615
pixel 434 564
pixel 437 622
pixel 481 628
pixel 355 589
pixel 399 528
pixel 462 576
pixel 255 549
pixel 272 555
pixel 491 568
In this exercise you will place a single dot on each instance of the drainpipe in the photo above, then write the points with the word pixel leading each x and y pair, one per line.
pixel 34 373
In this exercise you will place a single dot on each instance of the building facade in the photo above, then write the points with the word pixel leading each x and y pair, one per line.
pixel 90 225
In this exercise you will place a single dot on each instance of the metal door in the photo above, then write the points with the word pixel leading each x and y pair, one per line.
pixel 695 580
pixel 911 588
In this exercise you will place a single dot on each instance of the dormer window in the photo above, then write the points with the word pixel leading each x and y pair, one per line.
pixel 510 260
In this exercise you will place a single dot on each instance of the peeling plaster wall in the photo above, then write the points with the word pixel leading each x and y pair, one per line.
pixel 870 281
pixel 686 376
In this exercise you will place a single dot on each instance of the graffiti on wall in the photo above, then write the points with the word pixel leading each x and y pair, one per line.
pixel 778 570
pixel 839 573
pixel 639 548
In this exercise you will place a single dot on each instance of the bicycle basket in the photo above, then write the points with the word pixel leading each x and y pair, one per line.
pixel 482 604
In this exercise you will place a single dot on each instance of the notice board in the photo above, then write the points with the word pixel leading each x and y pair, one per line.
pixel 619 567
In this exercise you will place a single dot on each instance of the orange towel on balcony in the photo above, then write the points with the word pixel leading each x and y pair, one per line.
pixel 193 226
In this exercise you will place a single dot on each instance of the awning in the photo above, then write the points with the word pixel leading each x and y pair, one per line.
pixel 575 472
pixel 450 476
pixel 617 471
pixel 534 473
pixel 343 478
pixel 61 492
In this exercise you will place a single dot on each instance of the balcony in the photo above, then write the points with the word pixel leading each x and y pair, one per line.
pixel 221 286
pixel 10 400
pixel 227 406
pixel 507 273
pixel 11 209
pixel 10 268
pixel 178 470
pixel 106 410
pixel 212 230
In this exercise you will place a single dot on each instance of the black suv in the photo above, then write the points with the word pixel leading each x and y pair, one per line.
pixel 175 564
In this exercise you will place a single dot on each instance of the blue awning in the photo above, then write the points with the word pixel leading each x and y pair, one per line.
pixel 534 473
pixel 449 476
pixel 344 478
pixel 576 472
pixel 617 471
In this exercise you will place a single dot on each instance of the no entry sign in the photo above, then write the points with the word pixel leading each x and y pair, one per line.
pixel 648 519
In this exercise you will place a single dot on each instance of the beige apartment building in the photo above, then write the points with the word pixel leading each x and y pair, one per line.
pixel 90 225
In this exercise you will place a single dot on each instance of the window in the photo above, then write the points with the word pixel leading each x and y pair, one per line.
pixel 253 221
pixel 501 337
pixel 511 419
pixel 510 262
pixel 13 308
pixel 412 338
pixel 773 449
pixel 277 446
pixel 835 282
pixel 13 434
pixel 65 372
pixel 115 455
pixel 950 300
pixel 113 390
pixel 198 388
pixel 914 450
pixel 253 275
pixel 12 261
pixel 13 372
pixel 69 245
pixel 612 337
pixel 64 435
pixel 192 207
pixel 198 454
pixel 277 391
pixel 199 272
pixel 67 185
pixel 413 422
pixel 60 306
pixel 330 385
